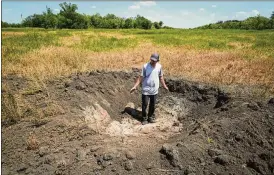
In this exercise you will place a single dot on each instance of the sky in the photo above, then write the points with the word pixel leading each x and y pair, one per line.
pixel 178 14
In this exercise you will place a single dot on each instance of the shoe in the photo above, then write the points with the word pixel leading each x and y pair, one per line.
pixel 151 120
pixel 144 122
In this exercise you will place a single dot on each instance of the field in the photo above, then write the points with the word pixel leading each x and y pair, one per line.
pixel 66 106
pixel 215 56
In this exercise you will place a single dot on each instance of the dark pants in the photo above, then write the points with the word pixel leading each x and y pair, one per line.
pixel 152 101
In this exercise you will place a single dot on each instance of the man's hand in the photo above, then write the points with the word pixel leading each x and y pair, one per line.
pixel 132 89
pixel 163 83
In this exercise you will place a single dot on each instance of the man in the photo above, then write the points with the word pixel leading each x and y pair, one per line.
pixel 151 73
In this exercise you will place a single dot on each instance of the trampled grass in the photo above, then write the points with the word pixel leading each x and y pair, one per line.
pixel 216 56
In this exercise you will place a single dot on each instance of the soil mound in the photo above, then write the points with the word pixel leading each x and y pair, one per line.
pixel 89 123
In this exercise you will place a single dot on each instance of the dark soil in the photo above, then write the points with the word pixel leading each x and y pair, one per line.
pixel 89 123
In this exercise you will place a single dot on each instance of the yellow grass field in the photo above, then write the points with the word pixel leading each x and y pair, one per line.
pixel 223 57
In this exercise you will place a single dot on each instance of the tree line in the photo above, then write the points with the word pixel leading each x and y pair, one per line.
pixel 251 23
pixel 69 18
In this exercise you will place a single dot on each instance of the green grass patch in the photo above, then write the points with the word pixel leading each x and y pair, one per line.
pixel 27 29
pixel 103 43
pixel 63 33
pixel 14 47
pixel 259 42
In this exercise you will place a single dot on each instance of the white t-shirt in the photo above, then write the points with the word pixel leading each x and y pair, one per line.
pixel 150 84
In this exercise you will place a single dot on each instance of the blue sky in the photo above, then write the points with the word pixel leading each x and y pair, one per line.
pixel 180 14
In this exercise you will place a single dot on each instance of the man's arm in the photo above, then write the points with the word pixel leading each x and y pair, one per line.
pixel 163 82
pixel 138 81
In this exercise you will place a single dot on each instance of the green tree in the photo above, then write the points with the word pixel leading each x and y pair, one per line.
pixel 35 20
pixel 4 24
pixel 129 23
pixel 111 21
pixel 143 23
pixel 156 25
pixel 257 23
pixel 95 20
pixel 68 16
pixel 80 22
pixel 50 19
pixel 68 9
pixel 122 23
pixel 272 15
pixel 161 24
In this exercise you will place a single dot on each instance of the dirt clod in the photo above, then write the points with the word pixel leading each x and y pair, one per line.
pixel 130 155
pixel 224 159
pixel 214 152
pixel 222 99
pixel 171 153
pixel 253 106
pixel 128 165
pixel 80 86
pixel 21 168
pixel 107 157
pixel 43 151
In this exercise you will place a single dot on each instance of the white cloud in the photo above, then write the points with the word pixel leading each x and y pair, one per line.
pixel 151 18
pixel 185 18
pixel 147 3
pixel 94 7
pixel 167 16
pixel 214 6
pixel 240 15
pixel 7 10
pixel 56 10
pixel 133 7
pixel 243 15
pixel 138 5
pixel 184 13
pixel 255 12
pixel 191 19
pixel 202 9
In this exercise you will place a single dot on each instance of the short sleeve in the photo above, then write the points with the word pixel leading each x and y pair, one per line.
pixel 143 72
pixel 161 73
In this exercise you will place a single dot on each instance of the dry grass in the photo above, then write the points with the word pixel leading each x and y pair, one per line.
pixel 32 142
pixel 48 62
pixel 9 112
pixel 239 45
pixel 219 67
pixel 12 34
pixel 115 35
pixel 226 67
pixel 241 65
pixel 71 40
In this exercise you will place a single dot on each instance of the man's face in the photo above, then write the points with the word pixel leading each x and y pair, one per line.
pixel 153 63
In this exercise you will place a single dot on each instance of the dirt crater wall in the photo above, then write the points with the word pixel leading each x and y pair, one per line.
pixel 87 123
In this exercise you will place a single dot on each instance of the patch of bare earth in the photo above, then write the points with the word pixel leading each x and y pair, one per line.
pixel 95 128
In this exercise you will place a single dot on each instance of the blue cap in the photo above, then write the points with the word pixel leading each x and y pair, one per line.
pixel 155 57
